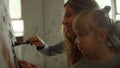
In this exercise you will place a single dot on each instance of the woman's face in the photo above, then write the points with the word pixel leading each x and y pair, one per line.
pixel 68 17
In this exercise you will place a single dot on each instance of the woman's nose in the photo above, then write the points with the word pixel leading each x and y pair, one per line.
pixel 64 21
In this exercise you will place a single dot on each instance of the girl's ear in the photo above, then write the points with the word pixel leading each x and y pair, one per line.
pixel 103 33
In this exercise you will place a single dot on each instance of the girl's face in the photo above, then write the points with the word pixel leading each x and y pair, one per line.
pixel 87 42
pixel 68 17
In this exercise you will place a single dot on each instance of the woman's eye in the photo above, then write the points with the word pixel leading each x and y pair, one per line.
pixel 82 34
pixel 68 15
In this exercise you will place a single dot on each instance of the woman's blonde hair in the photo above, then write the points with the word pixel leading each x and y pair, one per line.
pixel 74 55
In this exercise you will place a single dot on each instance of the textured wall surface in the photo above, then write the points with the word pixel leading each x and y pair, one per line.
pixel 8 56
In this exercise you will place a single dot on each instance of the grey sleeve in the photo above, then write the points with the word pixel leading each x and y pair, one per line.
pixel 52 50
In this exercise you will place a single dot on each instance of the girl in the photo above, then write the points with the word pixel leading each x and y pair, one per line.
pixel 95 38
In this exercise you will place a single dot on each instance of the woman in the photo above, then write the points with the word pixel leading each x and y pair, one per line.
pixel 72 8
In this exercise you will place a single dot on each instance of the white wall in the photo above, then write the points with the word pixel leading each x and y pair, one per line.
pixel 43 18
